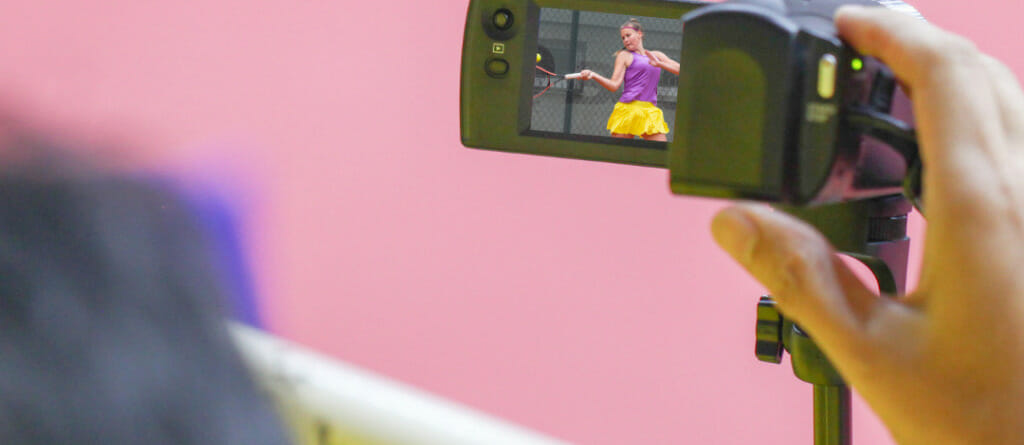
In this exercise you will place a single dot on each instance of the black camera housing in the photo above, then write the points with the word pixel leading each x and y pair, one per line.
pixel 763 111
pixel 496 106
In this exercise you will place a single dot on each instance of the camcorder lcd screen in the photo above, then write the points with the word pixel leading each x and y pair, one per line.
pixel 570 41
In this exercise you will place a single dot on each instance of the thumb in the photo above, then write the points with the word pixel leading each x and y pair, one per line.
pixel 808 280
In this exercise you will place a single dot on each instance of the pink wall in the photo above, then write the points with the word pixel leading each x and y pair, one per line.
pixel 579 299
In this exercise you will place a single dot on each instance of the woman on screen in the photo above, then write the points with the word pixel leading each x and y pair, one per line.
pixel 637 70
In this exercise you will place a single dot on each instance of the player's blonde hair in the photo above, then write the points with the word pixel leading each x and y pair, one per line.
pixel 633 24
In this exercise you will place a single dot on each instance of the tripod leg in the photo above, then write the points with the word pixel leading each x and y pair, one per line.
pixel 831 415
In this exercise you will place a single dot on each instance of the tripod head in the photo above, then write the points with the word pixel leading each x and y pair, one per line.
pixel 874 232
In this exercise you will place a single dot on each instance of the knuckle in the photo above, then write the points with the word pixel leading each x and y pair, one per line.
pixel 958 50
pixel 1000 72
pixel 942 56
pixel 881 35
pixel 791 271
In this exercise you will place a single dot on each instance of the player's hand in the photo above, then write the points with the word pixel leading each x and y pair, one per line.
pixel 654 59
pixel 586 74
pixel 944 364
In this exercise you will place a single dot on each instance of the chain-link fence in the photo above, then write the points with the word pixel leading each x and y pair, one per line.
pixel 570 41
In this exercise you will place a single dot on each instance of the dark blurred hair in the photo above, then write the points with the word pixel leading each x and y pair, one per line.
pixel 111 330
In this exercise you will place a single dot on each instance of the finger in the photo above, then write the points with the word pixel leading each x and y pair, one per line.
pixel 877 32
pixel 801 270
pixel 1009 96
pixel 953 102
pixel 960 126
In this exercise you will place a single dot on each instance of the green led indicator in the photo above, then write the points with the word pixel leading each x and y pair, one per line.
pixel 857 64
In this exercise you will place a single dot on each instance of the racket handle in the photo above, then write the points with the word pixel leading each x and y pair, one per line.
pixel 573 76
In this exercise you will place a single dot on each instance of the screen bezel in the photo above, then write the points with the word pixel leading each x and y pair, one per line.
pixel 600 148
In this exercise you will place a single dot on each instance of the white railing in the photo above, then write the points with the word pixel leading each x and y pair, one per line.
pixel 329 402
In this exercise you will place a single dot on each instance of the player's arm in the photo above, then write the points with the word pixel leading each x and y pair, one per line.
pixel 660 60
pixel 618 74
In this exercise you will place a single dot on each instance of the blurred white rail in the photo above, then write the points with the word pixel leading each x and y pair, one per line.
pixel 328 402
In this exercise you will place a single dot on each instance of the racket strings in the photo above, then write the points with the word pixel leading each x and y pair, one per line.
pixel 549 82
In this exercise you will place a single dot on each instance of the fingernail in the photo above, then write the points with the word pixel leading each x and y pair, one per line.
pixel 736 233
pixel 849 9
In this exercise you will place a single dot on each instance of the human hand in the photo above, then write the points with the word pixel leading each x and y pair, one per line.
pixel 586 74
pixel 654 59
pixel 945 363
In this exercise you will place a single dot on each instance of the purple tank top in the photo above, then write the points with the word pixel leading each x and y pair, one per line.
pixel 641 81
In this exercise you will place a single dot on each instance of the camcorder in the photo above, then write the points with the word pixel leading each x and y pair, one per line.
pixel 768 103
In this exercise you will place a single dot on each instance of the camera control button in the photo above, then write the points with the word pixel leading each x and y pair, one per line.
pixel 502 19
pixel 496 67
pixel 827 76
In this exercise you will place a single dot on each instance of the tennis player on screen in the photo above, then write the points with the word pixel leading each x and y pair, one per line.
pixel 637 71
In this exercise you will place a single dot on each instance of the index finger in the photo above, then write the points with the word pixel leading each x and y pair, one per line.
pixel 956 105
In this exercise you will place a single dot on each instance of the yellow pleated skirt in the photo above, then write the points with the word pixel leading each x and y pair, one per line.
pixel 637 118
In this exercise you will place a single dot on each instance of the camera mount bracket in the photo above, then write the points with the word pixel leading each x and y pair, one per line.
pixel 872 231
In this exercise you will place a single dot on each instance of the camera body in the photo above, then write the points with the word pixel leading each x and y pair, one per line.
pixel 760 106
